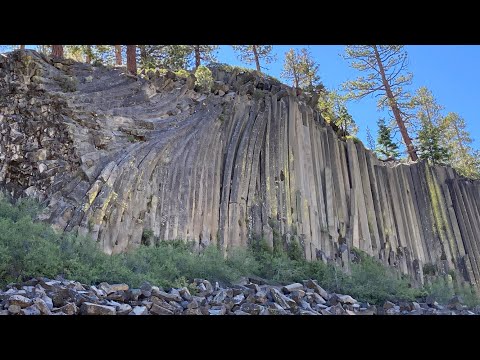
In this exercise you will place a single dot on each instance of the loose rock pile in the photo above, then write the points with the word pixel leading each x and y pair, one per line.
pixel 42 296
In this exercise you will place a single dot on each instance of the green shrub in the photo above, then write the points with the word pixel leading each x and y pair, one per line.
pixel 147 236
pixel 29 249
pixel 295 250
pixel 161 71
pixel 182 73
pixel 469 296
pixel 375 283
pixel 440 290
pixel 230 68
pixel 204 78
pixel 23 207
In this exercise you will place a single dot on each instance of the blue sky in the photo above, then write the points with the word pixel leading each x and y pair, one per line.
pixel 451 72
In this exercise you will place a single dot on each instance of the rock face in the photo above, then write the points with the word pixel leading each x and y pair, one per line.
pixel 249 299
pixel 135 160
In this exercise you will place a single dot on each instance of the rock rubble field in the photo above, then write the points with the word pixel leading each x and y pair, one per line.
pixel 42 296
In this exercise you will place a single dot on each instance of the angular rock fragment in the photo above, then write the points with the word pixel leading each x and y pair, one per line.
pixel 139 310
pixel 20 301
pixel 96 309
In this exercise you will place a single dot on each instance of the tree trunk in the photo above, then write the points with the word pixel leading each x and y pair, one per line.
pixel 396 111
pixel 295 78
pixel 118 54
pixel 257 61
pixel 57 51
pixel 22 47
pixel 132 59
pixel 197 56
pixel 88 58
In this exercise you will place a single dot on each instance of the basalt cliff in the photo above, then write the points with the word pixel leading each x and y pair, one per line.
pixel 139 160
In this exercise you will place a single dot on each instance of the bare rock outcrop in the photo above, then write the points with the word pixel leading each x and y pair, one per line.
pixel 131 160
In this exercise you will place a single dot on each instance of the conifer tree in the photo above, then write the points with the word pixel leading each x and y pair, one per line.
pixel 457 139
pixel 370 140
pixel 334 111
pixel 385 67
pixel 256 54
pixel 385 144
pixel 300 68
pixel 429 143
pixel 203 52
pixel 172 57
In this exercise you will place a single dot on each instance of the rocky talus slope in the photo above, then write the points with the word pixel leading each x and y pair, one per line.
pixel 129 160
pixel 42 296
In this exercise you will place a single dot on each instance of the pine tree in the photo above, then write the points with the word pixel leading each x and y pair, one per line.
pixel 291 68
pixel 146 57
pixel 385 66
pixel 309 68
pixel 172 57
pixel 426 106
pixel 429 144
pixel 176 57
pixel 346 123
pixel 429 136
pixel 334 111
pixel 203 52
pixel 300 68
pixel 457 139
pixel 370 140
pixel 250 54
pixel 386 146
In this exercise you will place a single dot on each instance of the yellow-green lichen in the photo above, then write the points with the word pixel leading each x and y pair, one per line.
pixel 91 195
pixel 434 193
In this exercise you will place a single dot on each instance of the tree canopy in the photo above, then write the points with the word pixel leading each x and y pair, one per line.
pixel 385 69
pixel 301 69
pixel 255 54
